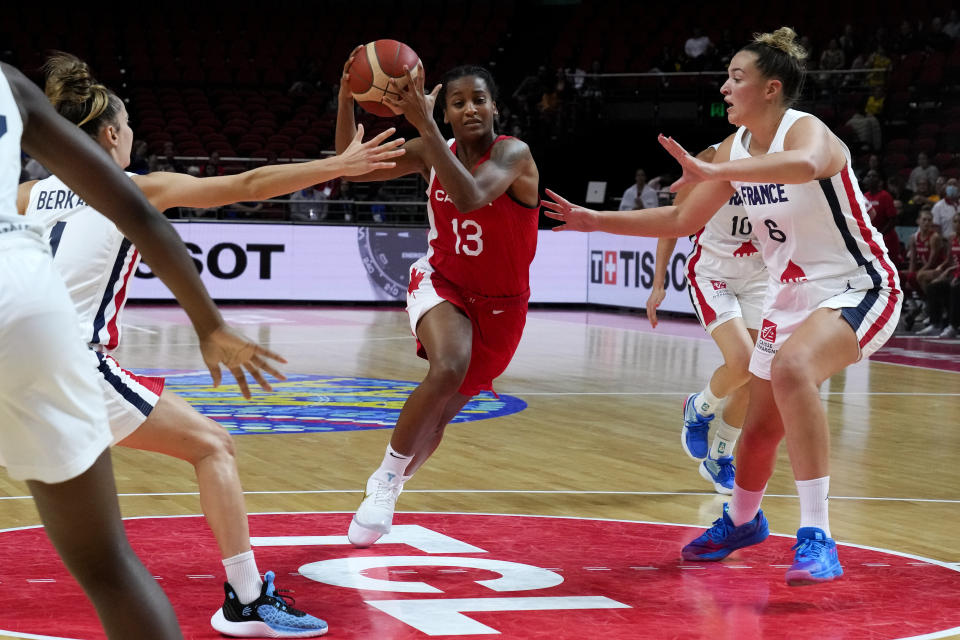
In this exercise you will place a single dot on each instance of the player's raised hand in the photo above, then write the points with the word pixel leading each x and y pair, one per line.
pixel 345 77
pixel 411 99
pixel 236 352
pixel 694 170
pixel 574 218
pixel 363 157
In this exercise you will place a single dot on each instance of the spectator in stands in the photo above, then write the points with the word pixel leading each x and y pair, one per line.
pixel 923 170
pixel 948 207
pixel 213 166
pixel 848 43
pixel 924 253
pixel 138 158
pixel 727 47
pixel 935 39
pixel 873 164
pixel 666 62
pixel 641 194
pixel 943 291
pixel 833 56
pixel 875 101
pixel 952 27
pixel 881 63
pixel 867 129
pixel 907 41
pixel 883 215
pixel 32 169
pixel 698 49
pixel 346 194
pixel 309 204
pixel 168 161
pixel 378 209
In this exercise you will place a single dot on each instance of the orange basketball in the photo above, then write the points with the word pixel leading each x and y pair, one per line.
pixel 374 66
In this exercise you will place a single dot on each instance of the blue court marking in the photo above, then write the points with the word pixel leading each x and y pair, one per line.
pixel 312 404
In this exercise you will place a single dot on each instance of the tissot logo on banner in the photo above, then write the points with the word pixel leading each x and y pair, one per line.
pixel 353 264
pixel 622 269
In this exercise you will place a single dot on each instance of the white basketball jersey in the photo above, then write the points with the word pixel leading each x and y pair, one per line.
pixel 816 230
pixel 729 234
pixel 95 260
pixel 11 130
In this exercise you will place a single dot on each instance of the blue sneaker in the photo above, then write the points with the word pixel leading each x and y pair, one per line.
pixel 816 558
pixel 269 616
pixel 722 539
pixel 720 472
pixel 695 429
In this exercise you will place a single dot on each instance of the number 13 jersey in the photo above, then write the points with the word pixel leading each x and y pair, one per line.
pixel 487 251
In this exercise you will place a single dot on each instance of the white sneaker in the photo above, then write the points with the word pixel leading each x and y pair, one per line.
pixel 374 517
pixel 948 332
pixel 929 330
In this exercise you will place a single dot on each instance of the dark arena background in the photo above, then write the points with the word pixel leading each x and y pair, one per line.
pixel 557 507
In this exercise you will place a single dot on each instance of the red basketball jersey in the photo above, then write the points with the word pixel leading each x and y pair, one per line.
pixel 487 251
pixel 921 247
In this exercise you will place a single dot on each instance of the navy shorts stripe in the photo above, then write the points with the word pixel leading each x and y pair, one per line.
pixel 117 383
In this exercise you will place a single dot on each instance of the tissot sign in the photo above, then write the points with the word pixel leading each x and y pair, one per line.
pixel 363 264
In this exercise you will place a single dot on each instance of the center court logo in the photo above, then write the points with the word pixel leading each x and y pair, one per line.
pixel 510 577
pixel 312 404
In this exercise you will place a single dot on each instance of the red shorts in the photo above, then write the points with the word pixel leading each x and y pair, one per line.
pixel 497 323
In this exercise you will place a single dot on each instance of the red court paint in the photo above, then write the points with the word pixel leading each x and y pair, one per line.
pixel 482 576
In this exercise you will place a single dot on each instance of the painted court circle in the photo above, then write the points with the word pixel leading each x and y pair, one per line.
pixel 506 576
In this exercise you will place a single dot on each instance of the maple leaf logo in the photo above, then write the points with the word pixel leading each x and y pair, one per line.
pixel 744 250
pixel 416 277
pixel 793 273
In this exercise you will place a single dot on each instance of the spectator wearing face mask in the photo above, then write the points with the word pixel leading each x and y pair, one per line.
pixel 947 207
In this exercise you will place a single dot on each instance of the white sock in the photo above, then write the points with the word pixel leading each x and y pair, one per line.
pixel 243 576
pixel 814 503
pixel 394 464
pixel 744 505
pixel 724 439
pixel 706 403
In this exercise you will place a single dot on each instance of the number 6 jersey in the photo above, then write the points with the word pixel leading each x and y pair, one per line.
pixel 817 230
pixel 487 251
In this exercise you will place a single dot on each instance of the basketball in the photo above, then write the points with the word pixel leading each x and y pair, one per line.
pixel 374 66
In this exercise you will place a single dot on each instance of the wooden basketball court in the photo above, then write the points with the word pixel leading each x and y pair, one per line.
pixel 600 437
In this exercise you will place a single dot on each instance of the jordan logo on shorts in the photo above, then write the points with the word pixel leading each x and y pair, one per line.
pixel 768 332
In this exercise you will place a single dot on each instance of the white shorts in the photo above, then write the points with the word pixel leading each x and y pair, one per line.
pixel 725 288
pixel 871 311
pixel 53 425
pixel 129 397
pixel 422 297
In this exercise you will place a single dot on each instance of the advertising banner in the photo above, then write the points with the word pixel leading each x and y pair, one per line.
pixel 284 262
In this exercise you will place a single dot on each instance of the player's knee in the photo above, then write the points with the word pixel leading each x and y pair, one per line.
pixel 738 362
pixel 791 369
pixel 448 371
pixel 212 441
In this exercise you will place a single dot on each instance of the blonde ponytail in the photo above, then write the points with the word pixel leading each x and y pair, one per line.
pixel 76 95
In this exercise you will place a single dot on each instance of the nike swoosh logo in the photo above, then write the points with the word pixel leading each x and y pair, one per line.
pixel 497 311
pixel 393 455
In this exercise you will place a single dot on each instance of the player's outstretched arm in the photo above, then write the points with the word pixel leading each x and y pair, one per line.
pixel 88 170
pixel 166 189
pixel 663 222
